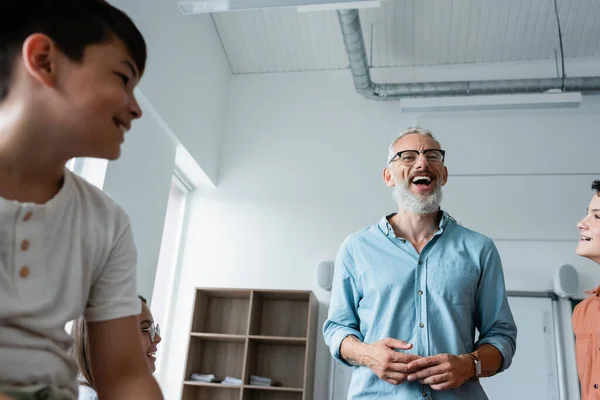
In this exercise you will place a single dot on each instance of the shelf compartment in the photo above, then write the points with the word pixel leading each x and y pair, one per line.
pixel 279 314
pixel 215 356
pixel 251 394
pixel 282 362
pixel 221 311
pixel 213 392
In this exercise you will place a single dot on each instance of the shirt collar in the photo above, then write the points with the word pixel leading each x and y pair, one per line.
pixel 595 292
pixel 386 227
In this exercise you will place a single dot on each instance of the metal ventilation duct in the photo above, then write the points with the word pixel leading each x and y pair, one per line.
pixel 359 66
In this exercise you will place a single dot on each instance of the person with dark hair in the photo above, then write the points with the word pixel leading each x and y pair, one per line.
pixel 586 316
pixel 150 333
pixel 68 70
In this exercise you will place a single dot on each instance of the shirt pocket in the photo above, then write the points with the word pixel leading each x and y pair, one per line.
pixel 456 281
pixel 582 349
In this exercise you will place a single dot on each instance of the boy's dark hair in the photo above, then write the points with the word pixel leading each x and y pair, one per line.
pixel 596 187
pixel 71 24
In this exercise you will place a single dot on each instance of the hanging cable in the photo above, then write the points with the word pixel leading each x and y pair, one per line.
pixel 562 55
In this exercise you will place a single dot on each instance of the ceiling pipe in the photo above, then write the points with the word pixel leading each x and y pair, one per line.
pixel 359 67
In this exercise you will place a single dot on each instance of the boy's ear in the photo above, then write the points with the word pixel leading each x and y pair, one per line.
pixel 40 56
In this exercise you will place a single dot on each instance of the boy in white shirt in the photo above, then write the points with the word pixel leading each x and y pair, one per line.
pixel 68 69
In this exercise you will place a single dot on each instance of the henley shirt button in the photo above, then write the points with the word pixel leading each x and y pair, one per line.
pixel 421 325
pixel 424 394
pixel 25 245
pixel 420 262
pixel 24 272
pixel 595 386
pixel 27 216
pixel 420 292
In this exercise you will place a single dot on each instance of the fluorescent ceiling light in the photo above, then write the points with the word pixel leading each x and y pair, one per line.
pixel 341 6
pixel 215 6
pixel 492 102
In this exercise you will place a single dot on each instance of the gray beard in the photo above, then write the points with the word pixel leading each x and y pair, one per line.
pixel 414 203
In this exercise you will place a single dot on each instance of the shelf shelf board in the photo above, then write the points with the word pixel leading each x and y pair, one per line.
pixel 212 385
pixel 273 388
pixel 219 337
pixel 278 339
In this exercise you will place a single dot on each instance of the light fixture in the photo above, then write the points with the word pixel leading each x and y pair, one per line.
pixel 491 102
pixel 346 5
pixel 215 6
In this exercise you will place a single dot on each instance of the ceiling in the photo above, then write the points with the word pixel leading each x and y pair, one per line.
pixel 411 33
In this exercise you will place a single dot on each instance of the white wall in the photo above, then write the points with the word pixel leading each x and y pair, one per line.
pixel 187 75
pixel 300 170
pixel 185 89
pixel 140 181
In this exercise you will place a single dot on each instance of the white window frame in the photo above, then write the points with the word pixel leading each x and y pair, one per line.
pixel 76 165
pixel 169 308
pixel 92 170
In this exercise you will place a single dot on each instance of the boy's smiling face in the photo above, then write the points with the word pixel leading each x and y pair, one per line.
pixel 98 99
pixel 89 105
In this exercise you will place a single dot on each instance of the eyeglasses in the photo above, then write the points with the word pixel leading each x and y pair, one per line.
pixel 153 331
pixel 409 157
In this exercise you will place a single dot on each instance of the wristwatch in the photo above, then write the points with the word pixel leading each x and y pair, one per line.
pixel 477 364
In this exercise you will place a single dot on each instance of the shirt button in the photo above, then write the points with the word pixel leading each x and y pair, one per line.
pixel 25 245
pixel 24 272
pixel 27 216
pixel 596 386
pixel 420 292
pixel 424 394
pixel 420 262
pixel 421 325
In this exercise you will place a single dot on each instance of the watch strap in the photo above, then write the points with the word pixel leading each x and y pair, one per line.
pixel 476 364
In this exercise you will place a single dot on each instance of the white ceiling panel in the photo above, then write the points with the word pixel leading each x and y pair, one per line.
pixel 411 33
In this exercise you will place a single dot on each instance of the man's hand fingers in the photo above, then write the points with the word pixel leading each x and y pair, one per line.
pixel 404 358
pixel 395 367
pixel 436 379
pixel 397 344
pixel 426 373
pixel 395 376
pixel 425 362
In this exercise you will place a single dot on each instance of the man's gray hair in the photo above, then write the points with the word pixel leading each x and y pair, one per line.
pixel 412 130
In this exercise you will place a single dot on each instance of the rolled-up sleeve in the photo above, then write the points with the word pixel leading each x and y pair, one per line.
pixel 342 320
pixel 494 319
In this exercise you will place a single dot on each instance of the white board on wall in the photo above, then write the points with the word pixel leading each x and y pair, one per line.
pixel 535 371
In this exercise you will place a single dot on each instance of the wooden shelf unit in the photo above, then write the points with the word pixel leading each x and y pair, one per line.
pixel 244 332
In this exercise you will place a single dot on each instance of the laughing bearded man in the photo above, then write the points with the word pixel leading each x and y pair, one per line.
pixel 409 292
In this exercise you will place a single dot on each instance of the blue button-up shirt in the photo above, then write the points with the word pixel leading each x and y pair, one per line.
pixel 435 300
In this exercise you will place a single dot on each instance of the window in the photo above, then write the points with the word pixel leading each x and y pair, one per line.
pixel 94 171
pixel 75 165
pixel 91 169
pixel 168 270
